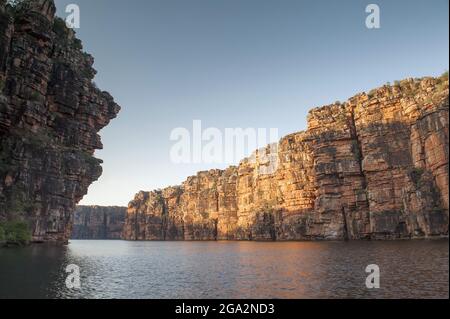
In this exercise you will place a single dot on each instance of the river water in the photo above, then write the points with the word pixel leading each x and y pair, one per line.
pixel 120 269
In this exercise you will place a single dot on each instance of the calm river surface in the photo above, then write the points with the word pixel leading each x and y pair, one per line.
pixel 120 269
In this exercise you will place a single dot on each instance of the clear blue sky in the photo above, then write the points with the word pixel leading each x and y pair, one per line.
pixel 238 63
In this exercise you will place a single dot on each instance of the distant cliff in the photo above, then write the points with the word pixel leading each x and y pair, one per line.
pixel 374 167
pixel 50 113
pixel 98 222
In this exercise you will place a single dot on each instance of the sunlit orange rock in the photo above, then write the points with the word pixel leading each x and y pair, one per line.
pixel 373 167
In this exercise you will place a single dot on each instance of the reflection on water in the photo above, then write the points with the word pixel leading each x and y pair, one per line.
pixel 119 269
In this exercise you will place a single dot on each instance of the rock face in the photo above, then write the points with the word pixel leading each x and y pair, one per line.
pixel 98 222
pixel 50 113
pixel 375 167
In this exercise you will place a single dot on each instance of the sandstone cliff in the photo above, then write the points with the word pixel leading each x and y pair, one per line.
pixel 50 113
pixel 373 167
pixel 98 222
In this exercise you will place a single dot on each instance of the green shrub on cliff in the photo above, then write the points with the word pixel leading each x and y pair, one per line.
pixel 444 76
pixel 61 30
pixel 2 85
pixel 38 140
pixel 442 82
pixel 19 202
pixel 59 27
pixel 89 159
pixel 372 93
pixel 77 44
pixel 15 232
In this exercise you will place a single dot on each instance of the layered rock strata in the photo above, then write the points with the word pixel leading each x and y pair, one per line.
pixel 374 167
pixel 50 114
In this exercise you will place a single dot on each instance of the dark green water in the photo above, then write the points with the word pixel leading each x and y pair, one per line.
pixel 119 269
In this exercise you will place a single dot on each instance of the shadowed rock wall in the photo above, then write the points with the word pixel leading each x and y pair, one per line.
pixel 98 222
pixel 50 114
